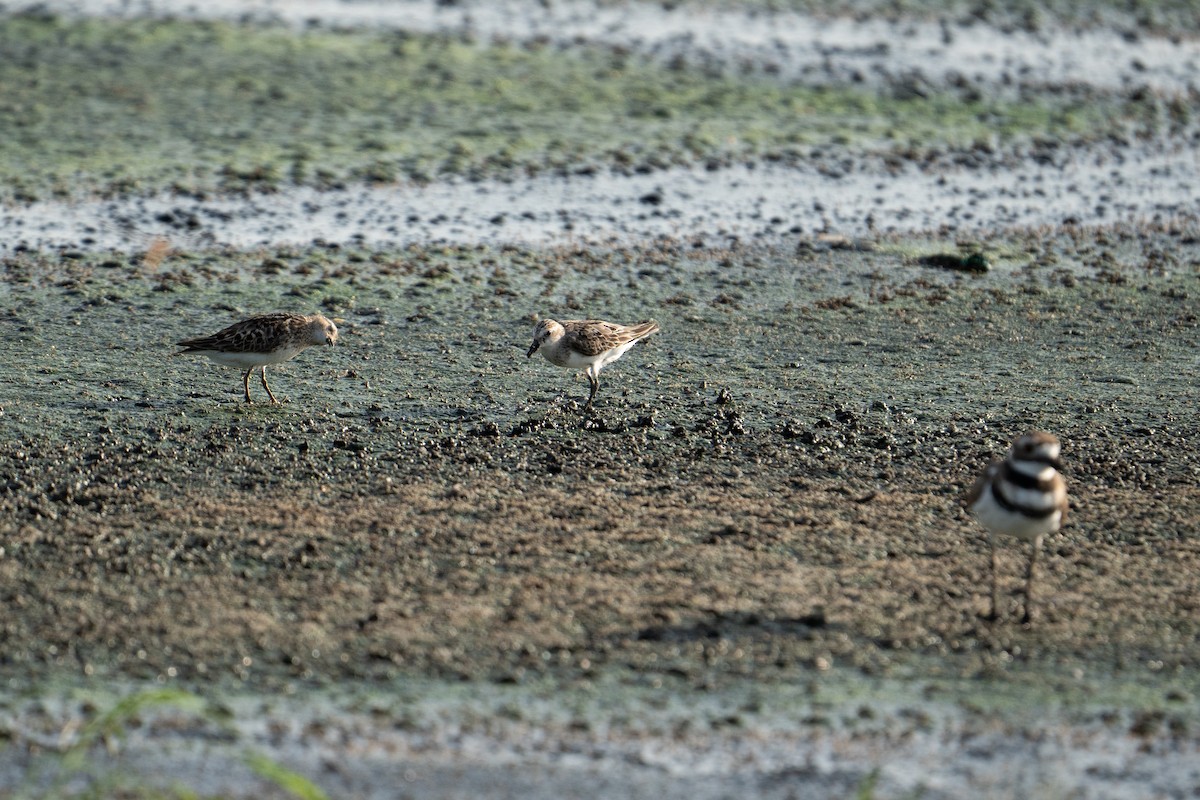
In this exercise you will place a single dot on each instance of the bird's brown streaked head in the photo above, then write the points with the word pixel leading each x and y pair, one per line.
pixel 541 333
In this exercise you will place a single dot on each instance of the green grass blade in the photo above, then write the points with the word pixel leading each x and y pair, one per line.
pixel 291 782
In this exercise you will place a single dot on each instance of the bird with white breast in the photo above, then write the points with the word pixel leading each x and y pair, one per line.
pixel 262 340
pixel 587 344
pixel 1024 497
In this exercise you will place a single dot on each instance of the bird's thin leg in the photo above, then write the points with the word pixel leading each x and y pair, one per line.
pixel 595 382
pixel 995 613
pixel 268 388
pixel 1033 558
pixel 246 384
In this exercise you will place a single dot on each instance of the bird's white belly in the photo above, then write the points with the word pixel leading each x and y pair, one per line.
pixel 612 355
pixel 248 360
pixel 563 357
pixel 999 519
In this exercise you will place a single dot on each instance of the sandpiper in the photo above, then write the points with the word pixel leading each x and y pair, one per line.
pixel 261 340
pixel 587 344
pixel 1023 496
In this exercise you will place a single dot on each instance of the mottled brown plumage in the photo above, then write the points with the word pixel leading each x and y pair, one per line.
pixel 591 337
pixel 264 333
pixel 265 339
pixel 587 344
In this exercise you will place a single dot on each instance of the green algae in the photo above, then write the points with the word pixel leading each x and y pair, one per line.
pixel 411 306
pixel 103 106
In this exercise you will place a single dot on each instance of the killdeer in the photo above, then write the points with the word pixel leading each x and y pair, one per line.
pixel 1023 496
pixel 265 339
pixel 587 344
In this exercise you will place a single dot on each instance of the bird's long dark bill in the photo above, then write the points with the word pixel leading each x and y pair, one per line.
pixel 533 349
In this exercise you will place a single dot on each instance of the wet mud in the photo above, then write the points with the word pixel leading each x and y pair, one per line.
pixel 768 491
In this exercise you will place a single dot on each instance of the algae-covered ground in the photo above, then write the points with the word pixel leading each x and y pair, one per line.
pixel 97 106
pixel 745 572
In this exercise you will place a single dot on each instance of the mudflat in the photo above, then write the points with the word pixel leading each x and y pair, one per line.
pixel 746 571
pixel 768 491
